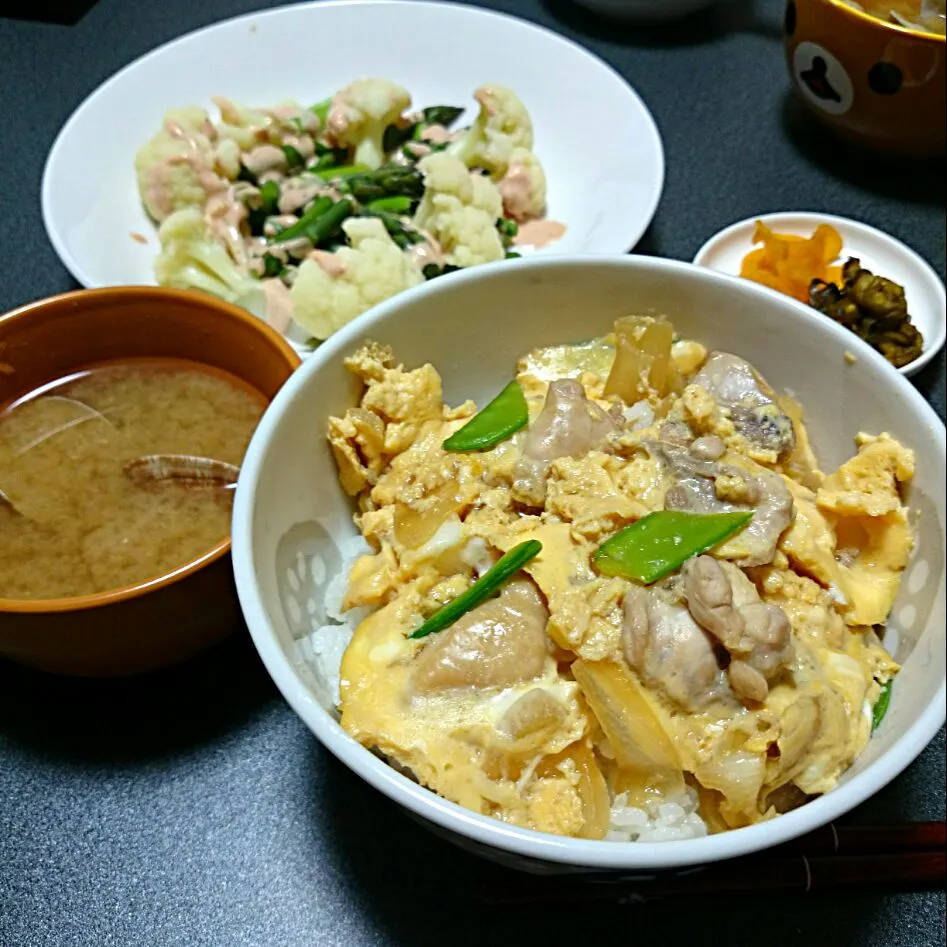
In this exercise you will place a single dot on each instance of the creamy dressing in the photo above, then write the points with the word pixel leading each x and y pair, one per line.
pixel 539 233
pixel 437 134
pixel 329 262
pixel 264 158
pixel 421 254
pixel 299 195
pixel 278 304
pixel 225 215
pixel 516 189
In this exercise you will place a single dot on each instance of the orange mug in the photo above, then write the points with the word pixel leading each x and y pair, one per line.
pixel 871 81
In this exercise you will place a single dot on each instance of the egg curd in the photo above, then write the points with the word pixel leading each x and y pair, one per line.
pixel 745 677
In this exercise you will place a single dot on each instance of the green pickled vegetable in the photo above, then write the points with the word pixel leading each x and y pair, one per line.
pixel 503 416
pixel 482 589
pixel 661 542
pixel 881 705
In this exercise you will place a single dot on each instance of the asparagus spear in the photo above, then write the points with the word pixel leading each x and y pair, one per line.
pixel 390 180
pixel 323 220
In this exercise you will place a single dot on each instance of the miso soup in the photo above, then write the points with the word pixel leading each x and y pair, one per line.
pixel 76 523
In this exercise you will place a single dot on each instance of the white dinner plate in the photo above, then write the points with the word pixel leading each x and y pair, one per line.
pixel 600 147
pixel 878 252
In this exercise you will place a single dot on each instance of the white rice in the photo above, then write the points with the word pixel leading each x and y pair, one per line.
pixel 667 821
pixel 324 647
pixel 326 643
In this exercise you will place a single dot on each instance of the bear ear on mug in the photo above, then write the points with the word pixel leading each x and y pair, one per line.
pixel 867 78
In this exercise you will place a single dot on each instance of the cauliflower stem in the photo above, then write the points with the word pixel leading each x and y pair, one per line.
pixel 191 258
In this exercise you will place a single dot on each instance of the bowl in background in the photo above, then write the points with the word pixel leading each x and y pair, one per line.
pixel 291 515
pixel 166 618
pixel 870 81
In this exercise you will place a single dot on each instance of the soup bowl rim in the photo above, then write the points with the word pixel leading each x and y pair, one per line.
pixel 897 29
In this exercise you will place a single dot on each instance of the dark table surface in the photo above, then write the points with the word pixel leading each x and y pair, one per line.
pixel 193 807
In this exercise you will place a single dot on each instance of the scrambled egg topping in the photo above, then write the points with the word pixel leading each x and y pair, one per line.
pixel 748 674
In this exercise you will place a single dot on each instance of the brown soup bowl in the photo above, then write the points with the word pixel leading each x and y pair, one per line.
pixel 166 618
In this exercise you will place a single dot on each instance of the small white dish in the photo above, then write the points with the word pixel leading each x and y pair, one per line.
pixel 606 196
pixel 877 251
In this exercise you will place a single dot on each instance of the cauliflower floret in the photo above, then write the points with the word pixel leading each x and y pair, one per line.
pixel 178 167
pixel 361 112
pixel 502 126
pixel 460 210
pixel 523 187
pixel 249 127
pixel 368 272
pixel 191 258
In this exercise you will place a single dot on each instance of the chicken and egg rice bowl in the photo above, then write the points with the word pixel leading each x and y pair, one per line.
pixel 622 601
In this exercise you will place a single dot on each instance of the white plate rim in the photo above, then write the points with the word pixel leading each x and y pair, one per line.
pixel 634 233
pixel 932 344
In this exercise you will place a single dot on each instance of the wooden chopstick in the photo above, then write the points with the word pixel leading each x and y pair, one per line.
pixel 798 873
pixel 835 839
pixel 911 856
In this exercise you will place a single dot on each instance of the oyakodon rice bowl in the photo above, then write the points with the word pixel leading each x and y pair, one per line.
pixel 290 540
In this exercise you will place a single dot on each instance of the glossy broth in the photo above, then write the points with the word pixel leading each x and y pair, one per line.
pixel 80 524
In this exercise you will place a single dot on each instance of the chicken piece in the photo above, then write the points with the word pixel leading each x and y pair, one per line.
pixel 569 425
pixel 663 643
pixel 734 384
pixel 706 486
pixel 500 643
pixel 756 635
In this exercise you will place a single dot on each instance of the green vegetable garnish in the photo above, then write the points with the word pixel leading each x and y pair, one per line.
pixel 269 193
pixel 444 115
pixel 433 270
pixel 271 266
pixel 390 205
pixel 508 229
pixel 503 416
pixel 661 542
pixel 321 110
pixel 401 233
pixel 482 589
pixel 317 209
pixel 269 205
pixel 345 171
pixel 881 705
pixel 294 159
pixel 397 135
pixel 321 221
pixel 512 255
pixel 390 180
